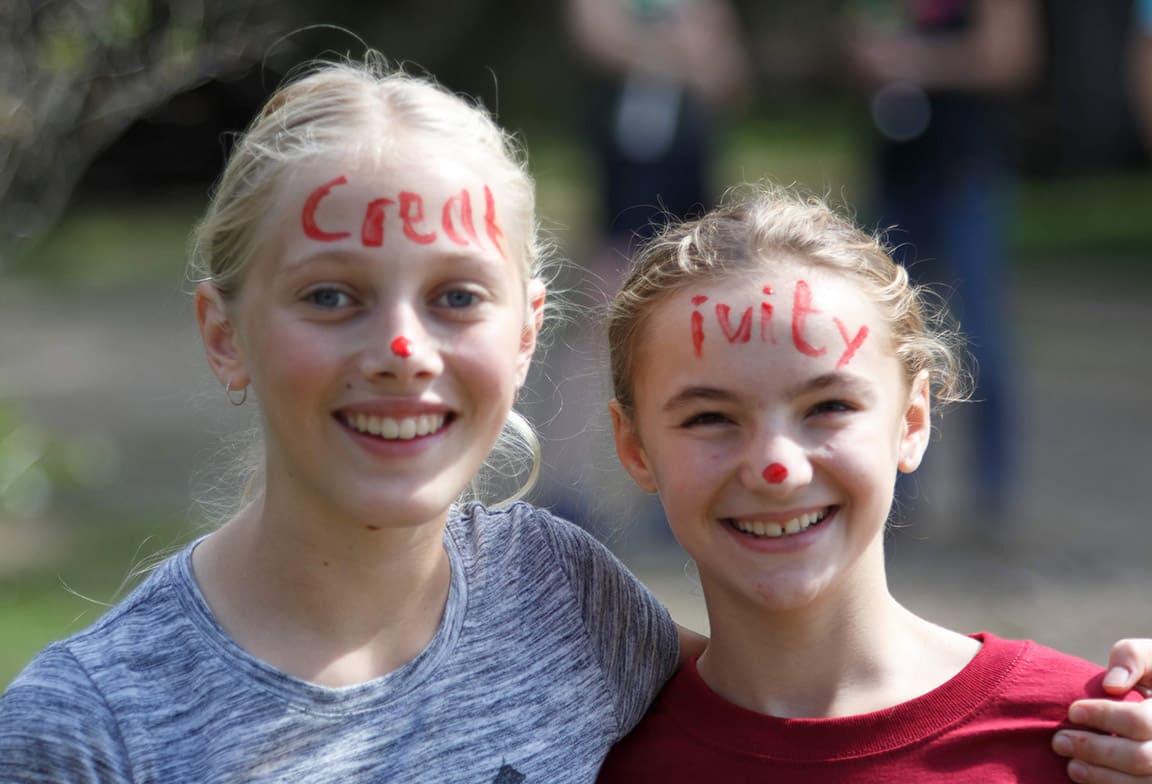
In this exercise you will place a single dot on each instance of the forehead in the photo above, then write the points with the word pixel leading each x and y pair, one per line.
pixel 396 197
pixel 792 319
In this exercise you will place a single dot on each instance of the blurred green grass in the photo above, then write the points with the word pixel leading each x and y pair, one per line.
pixel 1095 227
pixel 99 244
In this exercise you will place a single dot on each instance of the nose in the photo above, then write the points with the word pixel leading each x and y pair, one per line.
pixel 776 463
pixel 397 344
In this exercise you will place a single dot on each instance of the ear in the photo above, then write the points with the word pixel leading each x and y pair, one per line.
pixel 219 338
pixel 630 450
pixel 917 427
pixel 531 331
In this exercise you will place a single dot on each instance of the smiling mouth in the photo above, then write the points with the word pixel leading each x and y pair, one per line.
pixel 776 530
pixel 398 428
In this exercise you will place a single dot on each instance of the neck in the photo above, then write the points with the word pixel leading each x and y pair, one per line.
pixel 331 603
pixel 854 652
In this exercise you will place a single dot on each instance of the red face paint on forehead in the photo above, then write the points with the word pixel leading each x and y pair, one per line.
pixel 415 213
pixel 736 326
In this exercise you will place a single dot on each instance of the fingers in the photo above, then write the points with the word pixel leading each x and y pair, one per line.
pixel 1129 663
pixel 1082 773
pixel 1101 759
pixel 1130 720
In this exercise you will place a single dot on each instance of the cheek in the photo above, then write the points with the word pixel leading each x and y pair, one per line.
pixel 863 457
pixel 492 348
pixel 289 356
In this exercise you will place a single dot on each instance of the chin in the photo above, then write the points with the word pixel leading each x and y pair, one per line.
pixel 779 594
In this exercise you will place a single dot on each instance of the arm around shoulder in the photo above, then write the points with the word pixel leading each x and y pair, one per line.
pixel 55 726
pixel 631 632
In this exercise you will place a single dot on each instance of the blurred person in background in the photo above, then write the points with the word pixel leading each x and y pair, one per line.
pixel 1141 68
pixel 939 74
pixel 665 73
pixel 663 77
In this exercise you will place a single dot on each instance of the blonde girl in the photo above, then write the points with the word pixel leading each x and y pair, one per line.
pixel 369 276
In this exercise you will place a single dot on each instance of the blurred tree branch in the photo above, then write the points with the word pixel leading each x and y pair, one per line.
pixel 74 74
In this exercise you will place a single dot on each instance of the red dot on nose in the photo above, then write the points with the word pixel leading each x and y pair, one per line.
pixel 775 473
pixel 402 347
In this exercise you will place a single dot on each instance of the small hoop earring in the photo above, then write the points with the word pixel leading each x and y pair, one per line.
pixel 232 400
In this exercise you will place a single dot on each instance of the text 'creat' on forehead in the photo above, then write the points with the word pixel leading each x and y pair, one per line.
pixel 420 218
pixel 738 328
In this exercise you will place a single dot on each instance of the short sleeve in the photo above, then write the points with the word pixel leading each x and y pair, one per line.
pixel 631 632
pixel 55 726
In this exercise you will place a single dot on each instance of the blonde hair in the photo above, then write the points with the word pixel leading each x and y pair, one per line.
pixel 345 109
pixel 761 225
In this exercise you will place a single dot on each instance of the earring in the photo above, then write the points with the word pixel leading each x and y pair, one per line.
pixel 232 400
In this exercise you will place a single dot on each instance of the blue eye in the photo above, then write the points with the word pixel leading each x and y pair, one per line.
pixel 458 298
pixel 329 298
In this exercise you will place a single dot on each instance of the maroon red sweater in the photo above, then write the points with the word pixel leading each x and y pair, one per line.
pixel 993 722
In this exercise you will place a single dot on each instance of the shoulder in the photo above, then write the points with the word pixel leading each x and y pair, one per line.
pixel 520 515
pixel 53 675
pixel 673 742
pixel 53 717
pixel 155 606
pixel 520 528
pixel 1036 672
pixel 97 660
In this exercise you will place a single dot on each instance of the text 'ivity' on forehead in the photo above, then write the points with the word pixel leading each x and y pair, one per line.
pixel 722 324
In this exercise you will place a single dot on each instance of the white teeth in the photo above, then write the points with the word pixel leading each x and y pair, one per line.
pixel 403 429
pixel 777 530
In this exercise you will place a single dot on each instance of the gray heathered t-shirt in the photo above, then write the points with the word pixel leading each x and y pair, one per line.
pixel 549 651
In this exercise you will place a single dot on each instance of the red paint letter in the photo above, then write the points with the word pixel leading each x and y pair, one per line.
pixel 308 214
pixel 465 202
pixel 801 309
pixel 698 326
pixel 767 335
pixel 412 212
pixel 853 344
pixel 372 232
pixel 742 333
pixel 494 232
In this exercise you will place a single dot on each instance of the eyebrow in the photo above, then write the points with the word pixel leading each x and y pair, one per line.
pixel 696 393
pixel 306 260
pixel 836 379
pixel 350 257
pixel 824 381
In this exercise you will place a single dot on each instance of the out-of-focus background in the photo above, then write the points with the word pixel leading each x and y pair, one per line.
pixel 1016 164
